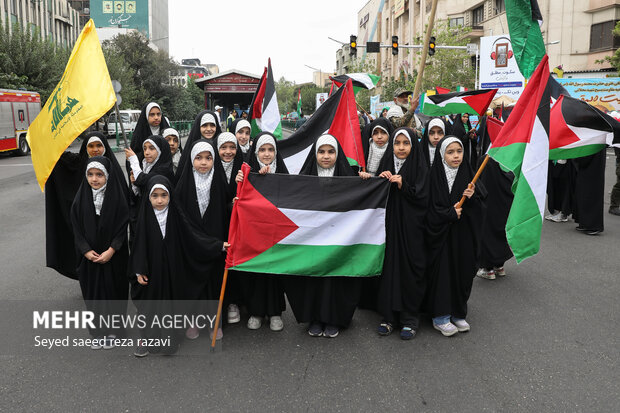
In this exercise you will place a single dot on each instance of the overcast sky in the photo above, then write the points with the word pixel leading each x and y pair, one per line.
pixel 243 34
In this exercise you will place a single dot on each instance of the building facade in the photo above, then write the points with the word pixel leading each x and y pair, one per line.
pixel 577 33
pixel 56 20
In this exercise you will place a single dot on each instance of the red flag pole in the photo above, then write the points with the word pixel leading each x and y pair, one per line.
pixel 473 181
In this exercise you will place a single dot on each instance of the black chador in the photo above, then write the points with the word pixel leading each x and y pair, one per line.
pixel 464 132
pixel 452 243
pixel 373 152
pixel 171 252
pixel 238 128
pixel 144 129
pixel 143 169
pixel 263 294
pixel 427 149
pixel 402 284
pixel 590 192
pixel 60 190
pixel 203 197
pixel 329 301
pixel 494 249
pixel 206 117
pixel 99 216
pixel 561 187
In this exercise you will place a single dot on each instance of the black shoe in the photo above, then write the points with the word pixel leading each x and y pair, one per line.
pixel 614 210
pixel 407 333
pixel 141 351
pixel 331 331
pixel 593 232
pixel 315 330
pixel 581 229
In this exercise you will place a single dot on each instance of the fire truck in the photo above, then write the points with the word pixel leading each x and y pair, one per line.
pixel 18 108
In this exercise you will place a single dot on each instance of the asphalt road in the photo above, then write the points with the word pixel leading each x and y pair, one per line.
pixel 544 338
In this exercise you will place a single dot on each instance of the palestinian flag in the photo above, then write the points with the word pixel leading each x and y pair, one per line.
pixel 264 112
pixel 578 129
pixel 524 21
pixel 334 227
pixel 523 148
pixel 360 80
pixel 336 116
pixel 441 90
pixel 299 103
pixel 474 102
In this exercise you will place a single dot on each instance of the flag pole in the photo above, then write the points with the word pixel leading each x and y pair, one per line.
pixel 473 181
pixel 120 121
pixel 427 37
pixel 219 308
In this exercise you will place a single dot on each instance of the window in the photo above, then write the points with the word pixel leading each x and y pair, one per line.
pixel 478 15
pixel 601 36
pixel 500 6
pixel 457 21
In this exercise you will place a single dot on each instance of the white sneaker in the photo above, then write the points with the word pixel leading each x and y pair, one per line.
pixel 108 342
pixel 559 217
pixel 233 314
pixel 500 272
pixel 461 325
pixel 276 323
pixel 550 216
pixel 488 275
pixel 447 329
pixel 254 323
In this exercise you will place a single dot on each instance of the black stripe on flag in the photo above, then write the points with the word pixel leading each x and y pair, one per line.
pixel 270 88
pixel 578 113
pixel 337 194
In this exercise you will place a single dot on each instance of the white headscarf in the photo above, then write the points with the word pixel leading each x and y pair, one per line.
pixel 240 125
pixel 96 139
pixel 154 129
pixel 170 131
pixel 450 171
pixel 162 216
pixel 326 140
pixel 98 194
pixel 146 166
pixel 203 181
pixel 431 124
pixel 207 118
pixel 264 140
pixel 375 152
pixel 395 112
pixel 398 163
pixel 223 138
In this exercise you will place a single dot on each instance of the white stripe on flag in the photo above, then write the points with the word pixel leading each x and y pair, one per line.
pixel 363 79
pixel 271 116
pixel 586 136
pixel 536 162
pixel 365 226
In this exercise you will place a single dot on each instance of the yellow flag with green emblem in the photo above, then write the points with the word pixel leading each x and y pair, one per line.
pixel 82 96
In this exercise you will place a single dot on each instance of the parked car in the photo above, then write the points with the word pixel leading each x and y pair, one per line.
pixel 129 119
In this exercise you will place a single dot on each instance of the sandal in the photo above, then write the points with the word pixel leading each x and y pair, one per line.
pixel 385 329
pixel 407 333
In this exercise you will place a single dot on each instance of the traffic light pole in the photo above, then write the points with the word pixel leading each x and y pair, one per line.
pixel 427 37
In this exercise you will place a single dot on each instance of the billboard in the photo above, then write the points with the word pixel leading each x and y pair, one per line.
pixel 128 14
pixel 604 93
pixel 498 67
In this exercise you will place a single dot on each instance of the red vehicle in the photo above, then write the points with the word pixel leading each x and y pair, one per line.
pixel 18 108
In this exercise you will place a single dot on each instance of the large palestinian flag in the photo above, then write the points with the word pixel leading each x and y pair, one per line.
pixel 474 102
pixel 360 80
pixel 336 116
pixel 523 148
pixel 578 129
pixel 333 227
pixel 264 112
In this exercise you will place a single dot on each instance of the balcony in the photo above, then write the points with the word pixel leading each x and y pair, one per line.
pixel 596 5
pixel 476 32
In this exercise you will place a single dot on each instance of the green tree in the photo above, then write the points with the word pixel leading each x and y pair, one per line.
pixel 28 62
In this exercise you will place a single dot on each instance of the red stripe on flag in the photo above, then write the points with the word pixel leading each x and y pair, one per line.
pixel 480 102
pixel 346 128
pixel 257 109
pixel 441 90
pixel 494 126
pixel 561 134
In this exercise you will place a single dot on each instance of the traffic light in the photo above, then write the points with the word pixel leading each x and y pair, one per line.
pixel 353 45
pixel 394 45
pixel 431 46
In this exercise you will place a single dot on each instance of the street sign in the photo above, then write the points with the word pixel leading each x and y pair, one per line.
pixel 119 99
pixel 116 85
pixel 472 48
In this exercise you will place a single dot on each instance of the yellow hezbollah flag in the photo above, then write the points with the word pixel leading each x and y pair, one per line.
pixel 82 96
